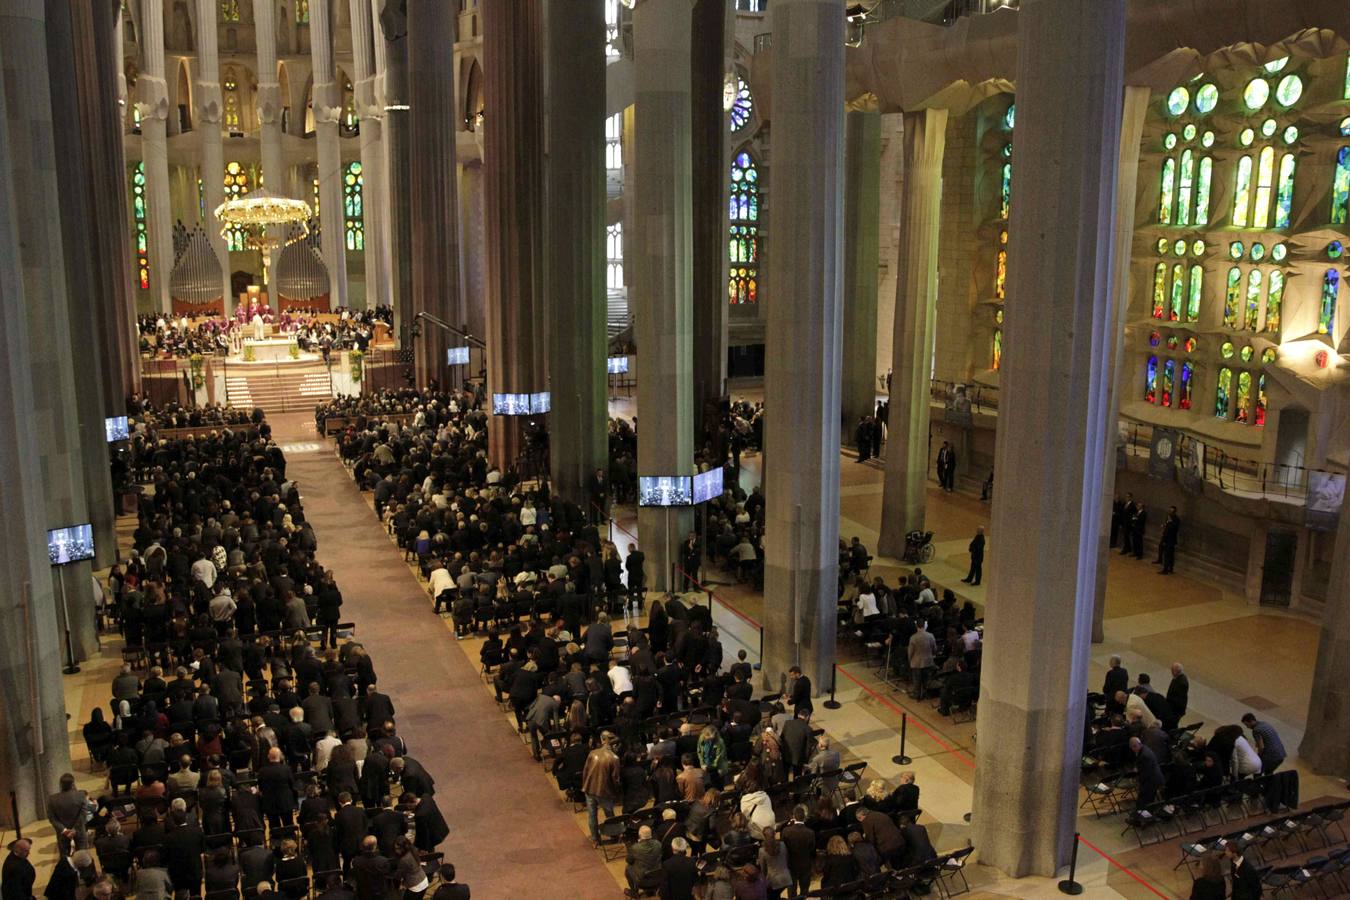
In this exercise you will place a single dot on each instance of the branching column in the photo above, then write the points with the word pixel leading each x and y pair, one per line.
pixel 269 106
pixel 371 110
pixel 391 60
pixel 327 114
pixel 1055 389
pixel 803 341
pixel 209 110
pixel 862 247
pixel 905 491
pixel 153 104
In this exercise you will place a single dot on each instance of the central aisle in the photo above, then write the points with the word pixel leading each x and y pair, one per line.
pixel 509 835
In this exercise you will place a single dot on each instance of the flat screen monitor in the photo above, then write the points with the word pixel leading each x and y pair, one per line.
pixel 665 490
pixel 70 544
pixel 617 365
pixel 510 404
pixel 708 485
pixel 457 356
pixel 115 427
pixel 541 403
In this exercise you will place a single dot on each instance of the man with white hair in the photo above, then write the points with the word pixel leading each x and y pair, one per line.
pixel 644 860
pixel 1178 691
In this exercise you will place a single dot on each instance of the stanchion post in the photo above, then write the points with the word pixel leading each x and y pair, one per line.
pixel 902 759
pixel 1069 885
pixel 833 703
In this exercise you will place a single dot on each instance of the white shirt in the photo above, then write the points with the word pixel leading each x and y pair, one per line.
pixel 204 571
pixel 440 581
pixel 971 639
pixel 323 749
pixel 528 516
pixel 1245 760
pixel 1135 701
pixel 867 602
pixel 926 596
pixel 620 680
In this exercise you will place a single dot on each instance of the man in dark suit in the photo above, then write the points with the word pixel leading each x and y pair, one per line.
pixel 371 871
pixel 637 575
pixel 349 828
pixel 18 874
pixel 799 690
pixel 680 872
pixel 796 740
pixel 66 811
pixel 976 557
pixel 256 862
pixel 1245 879
pixel 1117 679
pixel 1179 691
pixel 1167 542
pixel 378 706
pixel 183 845
pixel 276 787
pixel 946 467
pixel 318 710
pixel 1126 525
pixel 906 795
pixel 450 889
pixel 412 776
pixel 1150 773
pixel 800 840
pixel 881 833
pixel 1137 526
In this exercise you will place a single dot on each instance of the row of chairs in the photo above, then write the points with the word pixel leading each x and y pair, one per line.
pixel 1274 838
pixel 1315 873
pixel 140 656
pixel 1190 812
pixel 946 871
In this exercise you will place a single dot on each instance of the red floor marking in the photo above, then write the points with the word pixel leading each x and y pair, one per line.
pixel 1125 869
pixel 958 754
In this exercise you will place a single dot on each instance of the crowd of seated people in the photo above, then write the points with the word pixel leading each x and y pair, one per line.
pixel 249 748
pixel 173 415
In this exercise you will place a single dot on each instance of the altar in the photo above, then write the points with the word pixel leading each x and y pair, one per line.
pixel 272 350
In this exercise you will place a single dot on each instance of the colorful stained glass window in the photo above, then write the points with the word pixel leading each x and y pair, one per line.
pixel 1206 98
pixel 1151 380
pixel 1289 90
pixel 1177 101
pixel 236 185
pixel 1166 191
pixel 1010 117
pixel 1268 355
pixel 1223 394
pixel 1260 418
pixel 1185 185
pixel 138 216
pixel 1159 290
pixel 1340 188
pixel 1184 391
pixel 302 12
pixel 743 238
pixel 230 82
pixel 1274 301
pixel 1244 396
pixel 1169 373
pixel 1005 190
pixel 1202 186
pixel 742 106
pixel 1265 183
pixel 996 356
pixel 1284 195
pixel 1001 266
pixel 353 185
pixel 1178 291
pixel 1232 298
pixel 1242 194
pixel 1252 320
pixel 1193 295
pixel 1326 312
pixel 1256 93
pixel 229 10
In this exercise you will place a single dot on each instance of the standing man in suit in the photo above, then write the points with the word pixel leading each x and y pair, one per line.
pixel 946 467
pixel 18 874
pixel 1117 680
pixel 1117 518
pixel 1150 773
pixel 1126 525
pixel 1167 542
pixel 598 488
pixel 1137 526
pixel 349 828
pixel 976 557
pixel 1245 880
pixel 67 811
pixel 1178 690
pixel 922 647
pixel 800 840
pixel 637 576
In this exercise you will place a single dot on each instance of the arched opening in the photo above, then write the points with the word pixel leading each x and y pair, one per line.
pixel 184 97
pixel 284 85
pixel 473 97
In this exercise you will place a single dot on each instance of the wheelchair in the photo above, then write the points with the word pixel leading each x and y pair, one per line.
pixel 919 547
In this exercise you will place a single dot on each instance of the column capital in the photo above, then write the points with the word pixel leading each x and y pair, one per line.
pixel 153 99
pixel 207 104
pixel 327 104
pixel 269 103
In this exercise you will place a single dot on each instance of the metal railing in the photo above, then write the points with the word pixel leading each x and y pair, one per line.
pixel 1233 474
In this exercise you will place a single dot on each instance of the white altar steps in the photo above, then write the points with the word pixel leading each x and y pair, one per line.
pixel 294 387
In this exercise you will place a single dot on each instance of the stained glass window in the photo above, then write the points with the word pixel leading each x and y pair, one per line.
pixel 1178 290
pixel 1265 182
pixel 996 360
pixel 1151 380
pixel 1244 396
pixel 229 10
pixel 1193 297
pixel 352 188
pixel 1202 185
pixel 1284 195
pixel 1289 90
pixel 1260 418
pixel 614 141
pixel 1185 184
pixel 1340 188
pixel 1166 191
pixel 1252 320
pixel 1184 393
pixel 1159 290
pixel 302 12
pixel 614 256
pixel 611 29
pixel 1326 313
pixel 1222 394
pixel 1242 195
pixel 1168 381
pixel 236 186
pixel 1005 189
pixel 1233 298
pixel 743 240
pixel 741 106
pixel 1206 99
pixel 231 85
pixel 1001 266
pixel 138 215
pixel 1274 300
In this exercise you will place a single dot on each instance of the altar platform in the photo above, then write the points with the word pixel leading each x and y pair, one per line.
pixel 270 351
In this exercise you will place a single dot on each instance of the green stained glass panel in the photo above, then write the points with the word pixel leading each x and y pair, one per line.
pixel 1178 289
pixel 1159 289
pixel 1253 317
pixel 1232 298
pixel 1274 301
pixel 1165 192
pixel 1284 195
pixel 1185 184
pixel 1193 295
pixel 1202 185
pixel 1340 188
pixel 1242 195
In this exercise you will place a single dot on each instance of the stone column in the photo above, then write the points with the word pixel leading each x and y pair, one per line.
pixel 153 103
pixel 862 247
pixel 574 255
pixel 392 16
pixel 209 110
pixel 75 202
pixel 1326 739
pixel 1134 112
pixel 371 112
pixel 327 114
pixel 659 267
pixel 513 159
pixel 101 123
pixel 435 221
pixel 34 748
pixel 57 417
pixel 269 105
pixel 905 492
pixel 1055 387
pixel 802 346
pixel 711 167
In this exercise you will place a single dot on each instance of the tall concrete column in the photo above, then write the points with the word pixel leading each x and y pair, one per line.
pixel 371 112
pixel 1055 387
pixel 862 248
pixel 392 61
pixel 905 492
pixel 513 177
pixel 209 110
pixel 327 114
pixel 711 55
pixel 802 346
pixel 78 258
pixel 34 748
pixel 1326 739
pixel 1134 112
pixel 574 254
pixel 269 104
pixel 153 103
pixel 659 266
pixel 435 221
pixel 110 248
pixel 56 415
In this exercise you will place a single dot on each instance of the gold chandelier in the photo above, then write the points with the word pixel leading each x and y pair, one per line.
pixel 255 213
